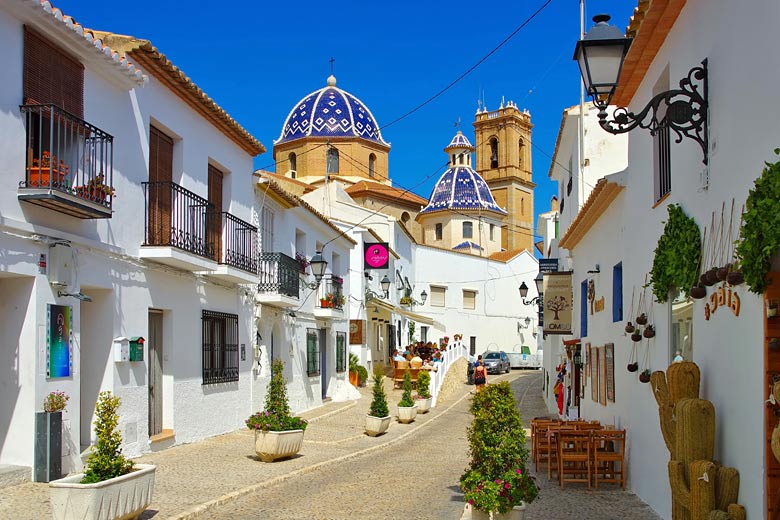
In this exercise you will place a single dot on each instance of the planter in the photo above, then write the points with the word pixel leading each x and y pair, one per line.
pixel 641 319
pixel 649 332
pixel 644 377
pixel 91 194
pixel 48 446
pixel 517 513
pixel 711 277
pixel 698 292
pixel 121 498
pixel 326 304
pixel 632 367
pixel 354 379
pixel 423 405
pixel 629 327
pixel 406 414
pixel 377 425
pixel 271 446
pixel 723 272
pixel 636 336
pixel 735 278
pixel 44 177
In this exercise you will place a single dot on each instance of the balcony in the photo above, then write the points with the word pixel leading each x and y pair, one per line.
pixel 181 228
pixel 69 165
pixel 330 298
pixel 279 280
pixel 237 257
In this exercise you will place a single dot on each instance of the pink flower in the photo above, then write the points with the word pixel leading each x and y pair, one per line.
pixel 498 481
pixel 507 486
pixel 518 472
pixel 471 502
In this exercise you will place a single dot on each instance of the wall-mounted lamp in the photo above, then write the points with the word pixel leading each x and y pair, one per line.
pixel 527 322
pixel 577 358
pixel 600 56
pixel 318 265
pixel 385 284
pixel 79 296
pixel 539 281
pixel 595 270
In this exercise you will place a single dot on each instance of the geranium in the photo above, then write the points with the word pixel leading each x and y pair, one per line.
pixel 512 487
pixel 55 401
pixel 274 422
pixel 276 416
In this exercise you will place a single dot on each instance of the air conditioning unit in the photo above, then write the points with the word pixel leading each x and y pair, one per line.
pixel 61 265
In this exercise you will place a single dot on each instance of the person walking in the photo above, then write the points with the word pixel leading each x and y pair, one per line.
pixel 480 374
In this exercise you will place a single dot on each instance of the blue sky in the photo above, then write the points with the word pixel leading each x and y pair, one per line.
pixel 257 59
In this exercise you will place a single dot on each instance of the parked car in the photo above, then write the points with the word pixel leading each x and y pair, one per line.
pixel 496 362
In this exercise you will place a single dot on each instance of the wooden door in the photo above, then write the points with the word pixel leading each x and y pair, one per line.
pixel 214 214
pixel 158 231
pixel 155 347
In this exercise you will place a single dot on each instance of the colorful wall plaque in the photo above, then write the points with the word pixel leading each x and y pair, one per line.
pixel 59 355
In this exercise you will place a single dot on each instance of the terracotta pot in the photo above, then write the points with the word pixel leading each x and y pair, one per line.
pixel 722 272
pixel 698 292
pixel 629 327
pixel 644 377
pixel 354 379
pixel 43 177
pixel 632 367
pixel 774 344
pixel 649 332
pixel 711 277
pixel 735 278
pixel 636 337
pixel 641 319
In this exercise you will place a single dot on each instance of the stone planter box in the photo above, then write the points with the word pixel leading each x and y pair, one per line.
pixel 517 513
pixel 423 405
pixel 377 425
pixel 120 498
pixel 271 446
pixel 406 414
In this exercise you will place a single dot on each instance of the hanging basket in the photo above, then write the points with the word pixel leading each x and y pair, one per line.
pixel 698 292
pixel 641 319
pixel 649 332
pixel 710 278
pixel 632 367
pixel 723 272
pixel 629 327
pixel 636 337
pixel 735 278
pixel 644 377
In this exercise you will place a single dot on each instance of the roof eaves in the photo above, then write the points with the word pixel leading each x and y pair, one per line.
pixel 606 191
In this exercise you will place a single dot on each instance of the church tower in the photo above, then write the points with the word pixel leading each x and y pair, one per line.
pixel 503 155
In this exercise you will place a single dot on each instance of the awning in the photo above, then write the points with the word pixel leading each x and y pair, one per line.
pixel 409 314
pixel 569 342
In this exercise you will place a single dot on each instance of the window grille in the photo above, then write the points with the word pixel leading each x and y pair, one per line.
pixel 312 353
pixel 341 352
pixel 220 347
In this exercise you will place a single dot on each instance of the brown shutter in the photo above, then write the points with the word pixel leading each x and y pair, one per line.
pixel 160 188
pixel 51 76
pixel 214 217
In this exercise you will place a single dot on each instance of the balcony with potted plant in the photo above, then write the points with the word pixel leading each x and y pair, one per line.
pixel 331 299
pixel 69 163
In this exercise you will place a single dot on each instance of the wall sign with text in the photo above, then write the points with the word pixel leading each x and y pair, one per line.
pixel 376 255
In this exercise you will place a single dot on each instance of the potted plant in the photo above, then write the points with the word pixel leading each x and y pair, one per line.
pixel 303 262
pixel 378 418
pixel 111 485
pixel 278 434
pixel 407 410
pixel 96 189
pixel 497 481
pixel 405 300
pixel 649 332
pixel 362 375
pixel 636 336
pixel 354 378
pixel 629 327
pixel 46 171
pixel 632 367
pixel 644 377
pixel 677 256
pixel 772 308
pixel 48 427
pixel 423 398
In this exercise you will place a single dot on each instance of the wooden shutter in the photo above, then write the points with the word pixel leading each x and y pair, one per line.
pixel 437 296
pixel 214 213
pixel 160 189
pixel 469 299
pixel 51 76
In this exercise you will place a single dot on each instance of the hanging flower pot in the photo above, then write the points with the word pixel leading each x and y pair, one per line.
pixel 723 272
pixel 774 344
pixel 632 367
pixel 644 377
pixel 641 319
pixel 629 327
pixel 711 277
pixel 698 292
pixel 636 337
pixel 735 278
pixel 649 332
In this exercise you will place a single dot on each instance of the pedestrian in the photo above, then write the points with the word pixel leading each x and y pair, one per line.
pixel 678 356
pixel 480 375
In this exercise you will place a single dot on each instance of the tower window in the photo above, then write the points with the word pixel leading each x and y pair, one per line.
pixel 371 165
pixel 453 159
pixel 438 231
pixel 468 230
pixel 493 143
pixel 405 217
pixel 333 161
pixel 293 162
pixel 492 230
pixel 522 151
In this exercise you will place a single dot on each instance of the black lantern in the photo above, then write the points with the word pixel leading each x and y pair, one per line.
pixel 600 56
pixel 539 281
pixel 423 296
pixel 385 283
pixel 318 265
pixel 524 292
pixel 577 358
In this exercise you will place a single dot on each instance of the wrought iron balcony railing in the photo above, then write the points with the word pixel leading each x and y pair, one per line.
pixel 239 240
pixel 280 274
pixel 330 294
pixel 67 154
pixel 176 217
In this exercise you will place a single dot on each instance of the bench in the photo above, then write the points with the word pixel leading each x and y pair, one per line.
pixel 400 369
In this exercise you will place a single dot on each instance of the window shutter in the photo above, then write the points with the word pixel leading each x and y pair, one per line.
pixel 51 76
pixel 437 296
pixel 617 292
pixel 469 300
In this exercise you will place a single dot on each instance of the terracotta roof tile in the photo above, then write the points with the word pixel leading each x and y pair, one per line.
pixel 363 188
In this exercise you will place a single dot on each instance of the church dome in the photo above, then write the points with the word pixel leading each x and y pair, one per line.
pixel 330 112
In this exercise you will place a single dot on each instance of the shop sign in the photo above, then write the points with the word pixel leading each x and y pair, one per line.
pixel 595 304
pixel 548 265
pixel 355 332
pixel 722 297
pixel 557 302
pixel 376 255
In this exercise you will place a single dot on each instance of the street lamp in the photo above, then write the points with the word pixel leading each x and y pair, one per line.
pixel 539 280
pixel 600 56
pixel 318 265
pixel 423 296
pixel 385 283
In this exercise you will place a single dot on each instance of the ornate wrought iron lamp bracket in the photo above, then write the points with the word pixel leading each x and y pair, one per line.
pixel 682 110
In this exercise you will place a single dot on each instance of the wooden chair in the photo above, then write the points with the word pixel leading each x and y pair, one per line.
pixel 574 461
pixel 538 424
pixel 552 447
pixel 609 451
pixel 540 441
pixel 398 373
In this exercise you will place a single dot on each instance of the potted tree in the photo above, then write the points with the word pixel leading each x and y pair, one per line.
pixel 497 481
pixel 354 378
pixel 110 482
pixel 407 410
pixel 378 418
pixel 423 398
pixel 278 434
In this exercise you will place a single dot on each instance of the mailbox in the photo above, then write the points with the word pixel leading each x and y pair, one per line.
pixel 121 349
pixel 137 348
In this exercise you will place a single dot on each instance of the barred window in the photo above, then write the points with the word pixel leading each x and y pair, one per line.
pixel 341 352
pixel 312 353
pixel 220 347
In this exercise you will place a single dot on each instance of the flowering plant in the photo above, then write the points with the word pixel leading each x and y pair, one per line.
pixel 276 416
pixel 405 300
pixel 55 401
pixel 46 161
pixel 303 262
pixel 275 422
pixel 97 185
pixel 512 487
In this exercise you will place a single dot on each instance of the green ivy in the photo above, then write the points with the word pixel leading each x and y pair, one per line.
pixel 676 261
pixel 759 237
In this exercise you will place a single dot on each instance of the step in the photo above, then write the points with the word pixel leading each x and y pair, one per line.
pixel 13 475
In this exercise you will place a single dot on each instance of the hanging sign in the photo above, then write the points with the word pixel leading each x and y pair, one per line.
pixel 722 297
pixel 58 341
pixel 548 265
pixel 355 332
pixel 557 302
pixel 376 255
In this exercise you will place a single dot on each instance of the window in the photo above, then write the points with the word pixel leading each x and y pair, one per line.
pixel 51 76
pixel 293 162
pixel 439 231
pixel 214 212
pixel 662 160
pixel 617 292
pixel 438 296
pixel 469 299
pixel 405 217
pixel 473 345
pixel 371 165
pixel 160 190
pixel 341 352
pixel 312 353
pixel 424 333
pixel 333 161
pixel 522 151
pixel 584 309
pixel 468 230
pixel 267 231
pixel 220 347
pixel 492 229
pixel 493 144
pixel 453 159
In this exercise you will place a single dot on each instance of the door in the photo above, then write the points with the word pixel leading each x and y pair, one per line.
pixel 214 215
pixel 155 346
pixel 158 232
pixel 323 361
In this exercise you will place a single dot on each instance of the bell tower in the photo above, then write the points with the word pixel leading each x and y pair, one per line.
pixel 503 154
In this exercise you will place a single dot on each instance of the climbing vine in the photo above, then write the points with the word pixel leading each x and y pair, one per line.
pixel 759 237
pixel 676 261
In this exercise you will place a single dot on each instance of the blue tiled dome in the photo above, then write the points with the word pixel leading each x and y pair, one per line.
pixel 330 112
pixel 459 141
pixel 461 188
